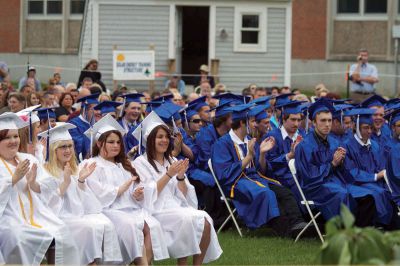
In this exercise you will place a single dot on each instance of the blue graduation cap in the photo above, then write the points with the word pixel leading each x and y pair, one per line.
pixel 364 115
pixel 259 112
pixel 374 100
pixel 263 100
pixel 291 107
pixel 391 103
pixel 222 109
pixel 169 112
pixel 394 115
pixel 152 105
pixel 340 110
pixel 45 113
pixel 198 103
pixel 90 99
pixel 132 97
pixel 282 98
pixel 239 112
pixel 228 97
pixel 319 106
pixel 164 98
pixel 107 107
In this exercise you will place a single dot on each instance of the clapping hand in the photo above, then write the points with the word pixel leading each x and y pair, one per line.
pixel 31 175
pixel 250 147
pixel 138 194
pixel 86 171
pixel 21 170
pixel 67 173
pixel 267 144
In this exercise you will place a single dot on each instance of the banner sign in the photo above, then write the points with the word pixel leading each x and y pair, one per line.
pixel 133 65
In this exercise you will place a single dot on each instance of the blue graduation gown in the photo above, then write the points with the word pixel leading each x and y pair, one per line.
pixel 254 201
pixel 393 172
pixel 321 182
pixel 194 172
pixel 205 138
pixel 362 163
pixel 383 140
pixel 342 138
pixel 81 142
pixel 277 159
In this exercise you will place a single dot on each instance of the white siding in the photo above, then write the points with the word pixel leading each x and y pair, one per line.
pixel 132 27
pixel 86 49
pixel 238 70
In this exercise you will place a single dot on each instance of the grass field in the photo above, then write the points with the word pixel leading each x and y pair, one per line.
pixel 260 248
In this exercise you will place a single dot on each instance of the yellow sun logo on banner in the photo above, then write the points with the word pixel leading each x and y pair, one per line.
pixel 120 57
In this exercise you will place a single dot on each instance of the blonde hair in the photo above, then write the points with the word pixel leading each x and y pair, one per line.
pixel 52 167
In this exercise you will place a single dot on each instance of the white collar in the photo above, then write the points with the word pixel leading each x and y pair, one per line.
pixel 285 134
pixel 361 142
pixel 236 139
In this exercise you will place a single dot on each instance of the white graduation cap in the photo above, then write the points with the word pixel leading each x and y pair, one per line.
pixel 144 129
pixel 105 124
pixel 10 120
pixel 57 133
pixel 29 115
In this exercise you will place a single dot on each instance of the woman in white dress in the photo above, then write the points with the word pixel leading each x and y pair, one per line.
pixel 117 186
pixel 27 227
pixel 64 191
pixel 189 232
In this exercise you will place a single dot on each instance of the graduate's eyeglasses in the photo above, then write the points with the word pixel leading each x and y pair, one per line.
pixel 196 121
pixel 66 147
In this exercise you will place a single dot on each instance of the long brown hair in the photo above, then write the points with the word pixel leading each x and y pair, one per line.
pixel 121 157
pixel 151 146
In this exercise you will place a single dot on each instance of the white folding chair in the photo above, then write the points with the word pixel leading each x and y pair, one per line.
pixel 226 200
pixel 305 202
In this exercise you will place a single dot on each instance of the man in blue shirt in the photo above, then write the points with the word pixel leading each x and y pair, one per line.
pixel 363 76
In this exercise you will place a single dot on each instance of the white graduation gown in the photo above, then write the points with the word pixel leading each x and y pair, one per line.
pixel 2 259
pixel 89 230
pixel 182 223
pixel 21 212
pixel 125 212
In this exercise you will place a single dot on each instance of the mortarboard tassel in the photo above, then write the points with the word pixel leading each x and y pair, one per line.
pixel 358 127
pixel 307 122
pixel 122 108
pixel 140 140
pixel 186 120
pixel 176 130
pixel 48 137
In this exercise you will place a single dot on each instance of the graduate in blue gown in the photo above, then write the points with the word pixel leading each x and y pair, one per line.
pixel 381 131
pixel 209 134
pixel 83 123
pixel 287 137
pixel 319 163
pixel 364 162
pixel 393 161
pixel 339 130
pixel 47 117
pixel 258 199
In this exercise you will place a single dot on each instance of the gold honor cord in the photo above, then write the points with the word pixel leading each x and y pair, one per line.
pixel 21 204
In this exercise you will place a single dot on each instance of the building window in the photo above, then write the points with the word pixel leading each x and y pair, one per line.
pixel 250 30
pixel 45 7
pixel 361 7
pixel 77 7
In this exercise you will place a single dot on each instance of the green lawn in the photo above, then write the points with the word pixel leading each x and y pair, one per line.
pixel 260 248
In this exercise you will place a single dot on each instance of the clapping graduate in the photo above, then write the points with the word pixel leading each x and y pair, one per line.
pixel 201 107
pixel 47 118
pixel 393 161
pixel 258 199
pixel 27 227
pixel 188 231
pixel 380 129
pixel 83 122
pixel 287 137
pixel 64 190
pixel 259 121
pixel 364 162
pixel 319 160
pixel 131 112
pixel 122 195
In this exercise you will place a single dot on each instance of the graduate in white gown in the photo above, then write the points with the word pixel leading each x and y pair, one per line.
pixel 2 259
pixel 118 188
pixel 64 191
pixel 27 227
pixel 173 203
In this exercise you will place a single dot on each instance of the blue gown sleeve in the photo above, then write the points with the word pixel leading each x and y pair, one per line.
pixel 226 167
pixel 393 172
pixel 204 143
